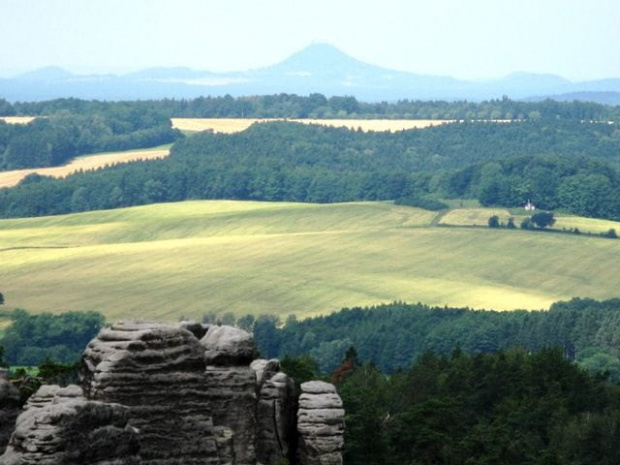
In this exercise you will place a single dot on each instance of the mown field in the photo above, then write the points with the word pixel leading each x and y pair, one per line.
pixel 85 163
pixel 231 125
pixel 480 216
pixel 169 261
pixel 17 119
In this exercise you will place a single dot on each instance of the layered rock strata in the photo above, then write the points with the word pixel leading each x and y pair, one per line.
pixel 320 424
pixel 60 427
pixel 185 394
pixel 158 372
pixel 231 389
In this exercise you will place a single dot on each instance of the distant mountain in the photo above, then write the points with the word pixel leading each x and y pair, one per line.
pixel 318 68
pixel 51 73
pixel 606 98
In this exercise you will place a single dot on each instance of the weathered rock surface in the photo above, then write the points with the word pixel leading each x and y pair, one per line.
pixel 9 409
pixel 320 424
pixel 232 387
pixel 228 346
pixel 60 427
pixel 177 394
pixel 158 371
pixel 276 412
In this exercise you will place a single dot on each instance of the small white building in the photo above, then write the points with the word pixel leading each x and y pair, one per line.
pixel 529 206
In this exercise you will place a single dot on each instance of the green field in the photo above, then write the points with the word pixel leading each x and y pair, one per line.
pixel 177 260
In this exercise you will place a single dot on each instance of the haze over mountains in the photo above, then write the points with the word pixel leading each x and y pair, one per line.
pixel 318 68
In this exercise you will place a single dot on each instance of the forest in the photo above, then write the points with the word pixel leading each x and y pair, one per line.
pixel 391 336
pixel 319 106
pixel 63 135
pixel 511 407
pixel 566 165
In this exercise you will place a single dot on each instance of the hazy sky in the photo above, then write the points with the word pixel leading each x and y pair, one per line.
pixel 472 39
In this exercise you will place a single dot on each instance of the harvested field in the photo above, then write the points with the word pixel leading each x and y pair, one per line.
pixel 17 119
pixel 231 125
pixel 85 163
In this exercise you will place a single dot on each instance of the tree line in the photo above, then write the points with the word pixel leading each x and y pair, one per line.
pixel 565 165
pixel 393 336
pixel 319 106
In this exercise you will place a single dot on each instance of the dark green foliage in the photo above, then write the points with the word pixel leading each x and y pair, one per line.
pixel 511 223
pixel 283 161
pixel 301 368
pixel 611 234
pixel 511 407
pixel 1 299
pixel 394 336
pixel 318 106
pixel 62 135
pixel 421 202
pixel 31 339
pixel 52 372
pixel 542 219
pixel 494 221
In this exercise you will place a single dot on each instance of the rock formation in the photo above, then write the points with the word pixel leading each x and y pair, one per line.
pixel 60 427
pixel 320 423
pixel 275 411
pixel 185 394
pixel 158 372
pixel 231 388
pixel 9 409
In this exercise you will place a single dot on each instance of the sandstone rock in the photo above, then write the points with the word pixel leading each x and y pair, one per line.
pixel 181 394
pixel 225 345
pixel 232 400
pixel 158 371
pixel 264 369
pixel 59 427
pixel 320 424
pixel 9 409
pixel 276 417
pixel 224 438
pixel 197 329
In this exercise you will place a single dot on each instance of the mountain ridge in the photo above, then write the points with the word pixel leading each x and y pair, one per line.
pixel 318 68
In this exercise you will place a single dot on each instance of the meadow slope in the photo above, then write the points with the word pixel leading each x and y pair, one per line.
pixel 176 260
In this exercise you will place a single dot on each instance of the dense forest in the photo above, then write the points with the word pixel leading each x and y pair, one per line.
pixel 512 407
pixel 319 106
pixel 393 336
pixel 556 164
pixel 31 339
pixel 55 139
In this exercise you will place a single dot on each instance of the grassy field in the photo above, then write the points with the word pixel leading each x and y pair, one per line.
pixel 184 259
pixel 87 162
pixel 480 216
pixel 231 125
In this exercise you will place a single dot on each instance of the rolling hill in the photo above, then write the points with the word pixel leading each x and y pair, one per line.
pixel 169 261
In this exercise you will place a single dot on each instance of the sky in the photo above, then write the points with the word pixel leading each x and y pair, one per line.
pixel 465 39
